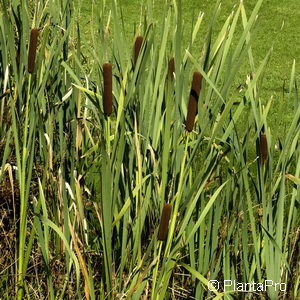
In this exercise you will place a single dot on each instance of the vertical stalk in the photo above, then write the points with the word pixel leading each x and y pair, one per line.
pixel 22 172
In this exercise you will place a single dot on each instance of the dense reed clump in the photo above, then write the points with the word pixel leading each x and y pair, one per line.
pixel 263 148
pixel 137 47
pixel 164 222
pixel 107 88
pixel 193 101
pixel 132 206
pixel 33 43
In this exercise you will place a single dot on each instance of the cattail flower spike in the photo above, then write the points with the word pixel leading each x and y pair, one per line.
pixel 107 88
pixel 164 222
pixel 33 43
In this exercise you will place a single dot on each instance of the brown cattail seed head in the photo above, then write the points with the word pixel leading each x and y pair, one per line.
pixel 34 35
pixel 107 92
pixel 263 148
pixel 171 67
pixel 164 222
pixel 137 47
pixel 193 102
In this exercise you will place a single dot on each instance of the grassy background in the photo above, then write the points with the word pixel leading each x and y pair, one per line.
pixel 277 26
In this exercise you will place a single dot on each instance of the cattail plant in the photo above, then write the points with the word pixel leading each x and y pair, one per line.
pixel 171 67
pixel 193 102
pixel 263 148
pixel 164 222
pixel 137 47
pixel 107 91
pixel 34 35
